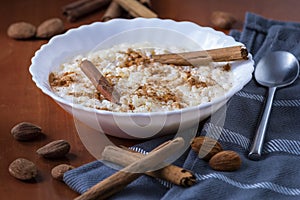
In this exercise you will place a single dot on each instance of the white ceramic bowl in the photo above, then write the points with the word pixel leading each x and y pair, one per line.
pixel 87 38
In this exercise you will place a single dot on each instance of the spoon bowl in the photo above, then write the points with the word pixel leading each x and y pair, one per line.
pixel 275 70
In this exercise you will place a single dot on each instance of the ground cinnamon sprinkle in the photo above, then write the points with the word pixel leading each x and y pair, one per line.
pixel 134 57
pixel 61 81
pixel 227 67
pixel 149 91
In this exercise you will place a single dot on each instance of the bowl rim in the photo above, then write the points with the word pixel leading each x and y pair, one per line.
pixel 61 100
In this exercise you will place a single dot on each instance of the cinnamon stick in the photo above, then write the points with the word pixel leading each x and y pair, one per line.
pixel 99 81
pixel 225 54
pixel 114 10
pixel 146 3
pixel 171 173
pixel 80 8
pixel 120 179
pixel 136 9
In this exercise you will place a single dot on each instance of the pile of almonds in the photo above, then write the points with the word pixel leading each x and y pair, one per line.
pixel 46 30
pixel 218 159
pixel 24 169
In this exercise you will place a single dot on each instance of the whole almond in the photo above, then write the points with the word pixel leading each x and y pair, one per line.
pixel 206 147
pixel 26 131
pixel 21 30
pixel 55 149
pixel 222 19
pixel 225 161
pixel 58 171
pixel 23 169
pixel 49 28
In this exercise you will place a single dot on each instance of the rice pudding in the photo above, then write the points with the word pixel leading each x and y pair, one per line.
pixel 144 85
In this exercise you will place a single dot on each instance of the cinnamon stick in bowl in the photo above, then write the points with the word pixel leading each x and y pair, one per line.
pixel 225 54
pixel 99 81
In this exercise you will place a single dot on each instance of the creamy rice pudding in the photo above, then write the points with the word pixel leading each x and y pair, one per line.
pixel 144 85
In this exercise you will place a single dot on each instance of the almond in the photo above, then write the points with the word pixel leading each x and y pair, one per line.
pixel 23 169
pixel 26 131
pixel 50 28
pixel 225 161
pixel 55 149
pixel 206 147
pixel 222 19
pixel 21 30
pixel 58 171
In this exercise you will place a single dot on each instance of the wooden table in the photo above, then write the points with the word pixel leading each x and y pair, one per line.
pixel 21 100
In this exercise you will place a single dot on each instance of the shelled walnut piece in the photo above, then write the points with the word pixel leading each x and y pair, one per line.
pixel 211 151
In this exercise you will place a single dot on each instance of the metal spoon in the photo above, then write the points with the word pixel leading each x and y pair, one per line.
pixel 276 69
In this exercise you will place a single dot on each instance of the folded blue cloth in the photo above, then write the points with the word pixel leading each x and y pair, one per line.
pixel 276 176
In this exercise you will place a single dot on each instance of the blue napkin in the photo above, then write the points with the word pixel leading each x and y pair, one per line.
pixel 276 176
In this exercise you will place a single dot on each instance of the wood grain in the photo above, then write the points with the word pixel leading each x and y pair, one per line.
pixel 21 100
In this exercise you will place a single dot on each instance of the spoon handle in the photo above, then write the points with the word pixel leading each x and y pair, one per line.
pixel 257 145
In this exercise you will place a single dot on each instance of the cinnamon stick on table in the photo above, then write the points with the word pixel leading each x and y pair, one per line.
pixel 99 81
pixel 114 10
pixel 171 173
pixel 136 9
pixel 80 8
pixel 146 3
pixel 203 57
pixel 120 179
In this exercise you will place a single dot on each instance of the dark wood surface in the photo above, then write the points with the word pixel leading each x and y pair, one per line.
pixel 21 100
